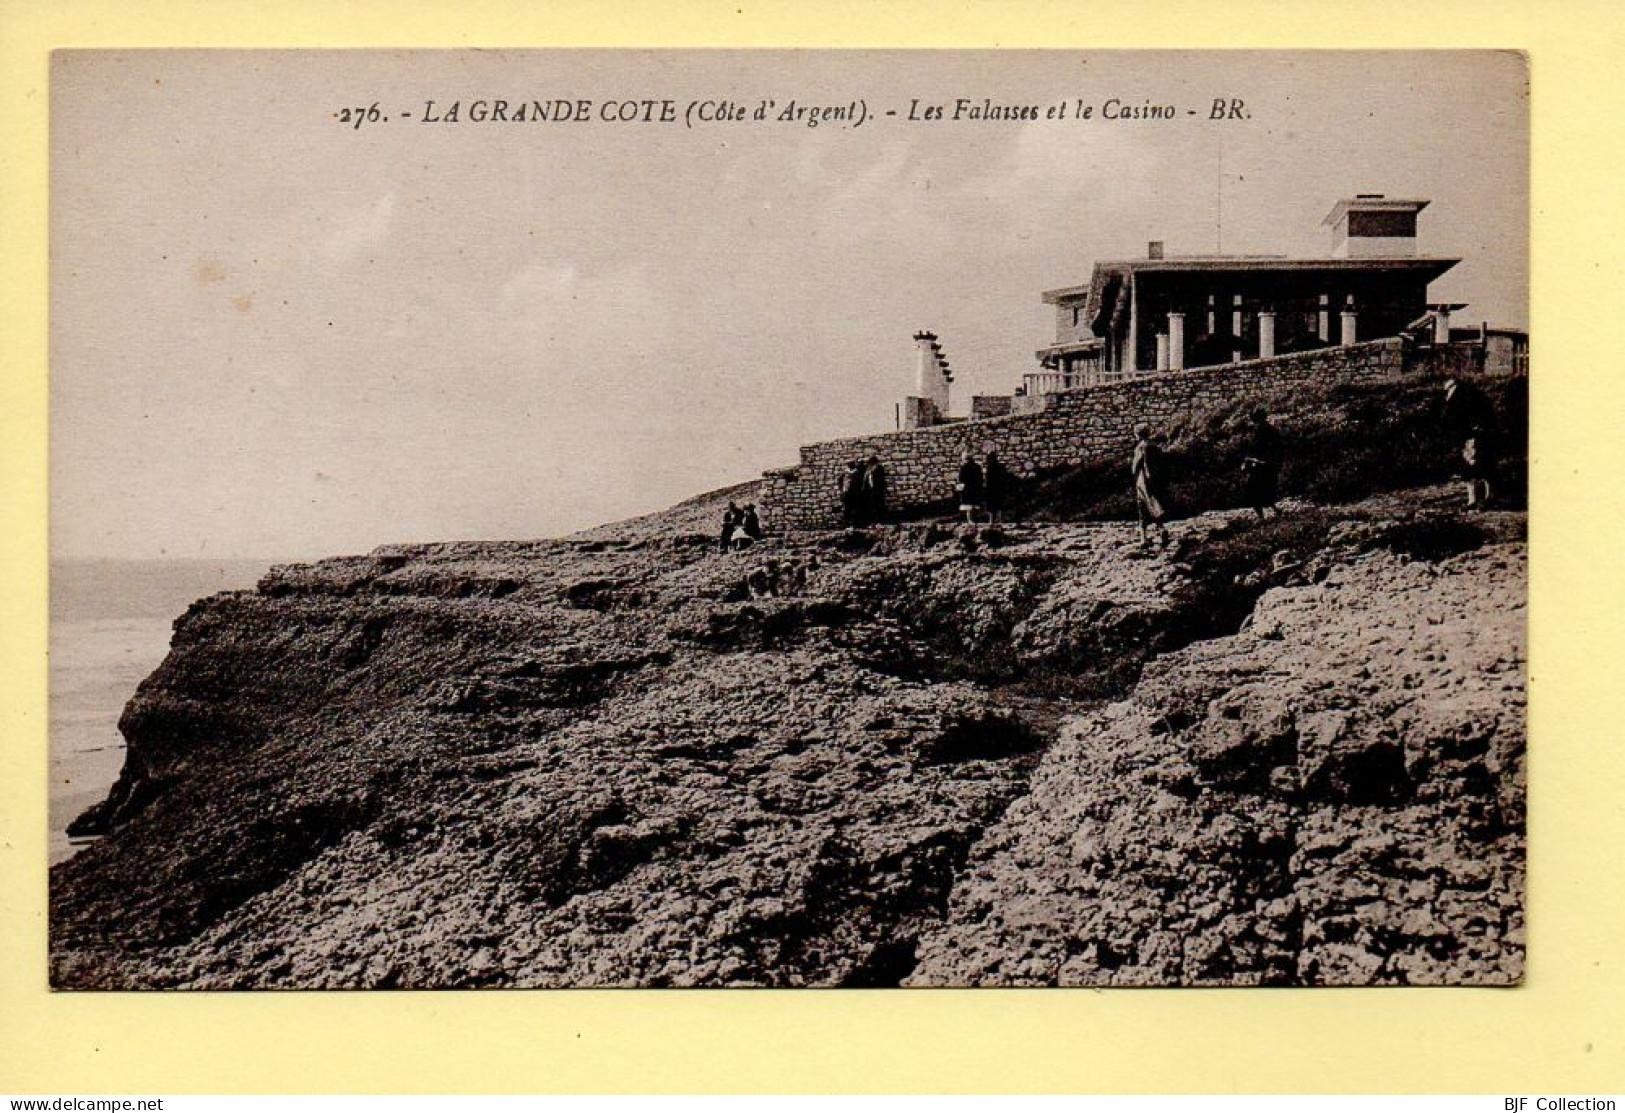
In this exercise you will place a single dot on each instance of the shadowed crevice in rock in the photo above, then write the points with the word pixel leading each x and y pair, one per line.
pixel 984 738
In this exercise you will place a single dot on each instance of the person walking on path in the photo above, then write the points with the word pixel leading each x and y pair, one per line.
pixel 970 487
pixel 874 491
pixel 996 480
pixel 1469 416
pixel 852 495
pixel 731 518
pixel 1150 484
pixel 1261 466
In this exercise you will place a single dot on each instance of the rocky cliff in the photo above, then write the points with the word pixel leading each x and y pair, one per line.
pixel 1288 753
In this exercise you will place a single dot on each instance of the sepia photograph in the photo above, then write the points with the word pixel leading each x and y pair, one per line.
pixel 612 518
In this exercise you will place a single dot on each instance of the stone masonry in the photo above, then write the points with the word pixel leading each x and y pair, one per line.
pixel 1086 426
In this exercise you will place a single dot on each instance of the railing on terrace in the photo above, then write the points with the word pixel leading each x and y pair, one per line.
pixel 1042 382
pixel 1037 383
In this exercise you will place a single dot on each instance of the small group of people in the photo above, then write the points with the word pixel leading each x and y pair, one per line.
pixel 863 493
pixel 741 527
pixel 1260 467
pixel 1467 415
pixel 983 486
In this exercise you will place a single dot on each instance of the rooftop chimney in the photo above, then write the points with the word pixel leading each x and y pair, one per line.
pixel 1374 226
pixel 932 373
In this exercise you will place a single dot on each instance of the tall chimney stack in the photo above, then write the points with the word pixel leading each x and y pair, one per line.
pixel 928 405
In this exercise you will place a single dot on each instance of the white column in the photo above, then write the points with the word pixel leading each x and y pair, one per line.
pixel 1350 335
pixel 1441 325
pixel 1266 333
pixel 1133 361
pixel 1176 341
pixel 925 361
pixel 1162 351
pixel 1325 322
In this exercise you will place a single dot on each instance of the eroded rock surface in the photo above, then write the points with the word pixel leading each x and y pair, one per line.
pixel 928 757
pixel 1332 796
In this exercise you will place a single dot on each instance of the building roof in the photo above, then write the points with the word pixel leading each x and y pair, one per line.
pixel 1117 273
pixel 1122 268
pixel 1092 344
pixel 1374 203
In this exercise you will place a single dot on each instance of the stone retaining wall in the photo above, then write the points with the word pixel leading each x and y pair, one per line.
pixel 1091 425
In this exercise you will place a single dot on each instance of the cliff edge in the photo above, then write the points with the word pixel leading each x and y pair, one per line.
pixel 1281 753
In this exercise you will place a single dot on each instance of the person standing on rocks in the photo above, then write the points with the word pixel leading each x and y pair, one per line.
pixel 1469 416
pixel 731 518
pixel 750 524
pixel 1261 466
pixel 852 495
pixel 996 481
pixel 971 487
pixel 1150 471
pixel 874 491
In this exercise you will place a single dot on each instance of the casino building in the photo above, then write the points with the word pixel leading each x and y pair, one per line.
pixel 1168 313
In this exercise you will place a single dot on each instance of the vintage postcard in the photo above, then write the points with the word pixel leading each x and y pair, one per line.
pixel 788 518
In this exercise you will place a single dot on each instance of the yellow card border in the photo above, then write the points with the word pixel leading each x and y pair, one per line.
pixel 1560 1033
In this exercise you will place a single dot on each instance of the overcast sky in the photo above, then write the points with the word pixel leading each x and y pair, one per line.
pixel 277 336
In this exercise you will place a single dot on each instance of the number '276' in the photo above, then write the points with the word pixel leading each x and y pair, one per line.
pixel 358 116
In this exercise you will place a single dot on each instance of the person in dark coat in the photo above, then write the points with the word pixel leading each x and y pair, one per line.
pixel 1469 417
pixel 750 524
pixel 852 495
pixel 874 490
pixel 1261 466
pixel 731 519
pixel 1150 472
pixel 970 486
pixel 996 482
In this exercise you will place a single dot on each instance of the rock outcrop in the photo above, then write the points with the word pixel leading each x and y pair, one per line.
pixel 1333 796
pixel 914 755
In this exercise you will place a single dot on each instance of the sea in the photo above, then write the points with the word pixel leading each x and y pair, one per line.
pixel 111 622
